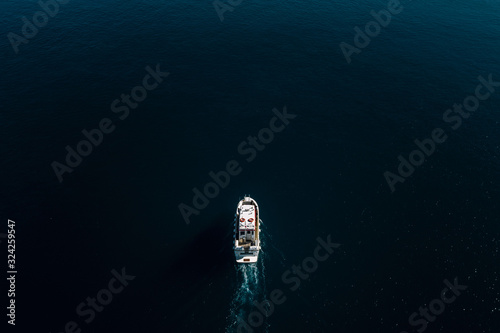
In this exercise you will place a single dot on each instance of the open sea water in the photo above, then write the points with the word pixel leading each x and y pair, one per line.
pixel 321 176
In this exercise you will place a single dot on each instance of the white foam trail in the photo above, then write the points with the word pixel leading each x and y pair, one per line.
pixel 250 286
pixel 246 290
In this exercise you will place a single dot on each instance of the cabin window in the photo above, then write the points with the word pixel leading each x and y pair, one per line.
pixel 242 233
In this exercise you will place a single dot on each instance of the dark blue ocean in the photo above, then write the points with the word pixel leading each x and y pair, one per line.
pixel 105 227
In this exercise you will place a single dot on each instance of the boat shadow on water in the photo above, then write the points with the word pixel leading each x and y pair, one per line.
pixel 208 253
pixel 206 277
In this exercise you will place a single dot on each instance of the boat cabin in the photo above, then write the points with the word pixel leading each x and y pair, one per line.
pixel 247 223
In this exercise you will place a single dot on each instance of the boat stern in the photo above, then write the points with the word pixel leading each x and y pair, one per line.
pixel 246 258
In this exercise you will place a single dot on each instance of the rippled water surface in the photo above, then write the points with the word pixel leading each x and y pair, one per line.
pixel 322 175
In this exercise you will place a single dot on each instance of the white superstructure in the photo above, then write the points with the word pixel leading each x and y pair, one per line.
pixel 246 231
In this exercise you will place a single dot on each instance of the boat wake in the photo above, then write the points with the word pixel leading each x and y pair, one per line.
pixel 249 287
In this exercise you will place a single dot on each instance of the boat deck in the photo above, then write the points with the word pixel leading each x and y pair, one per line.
pixel 245 243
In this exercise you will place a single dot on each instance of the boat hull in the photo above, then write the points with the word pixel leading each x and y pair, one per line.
pixel 247 231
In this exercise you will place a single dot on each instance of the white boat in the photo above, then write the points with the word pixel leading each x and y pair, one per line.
pixel 246 231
